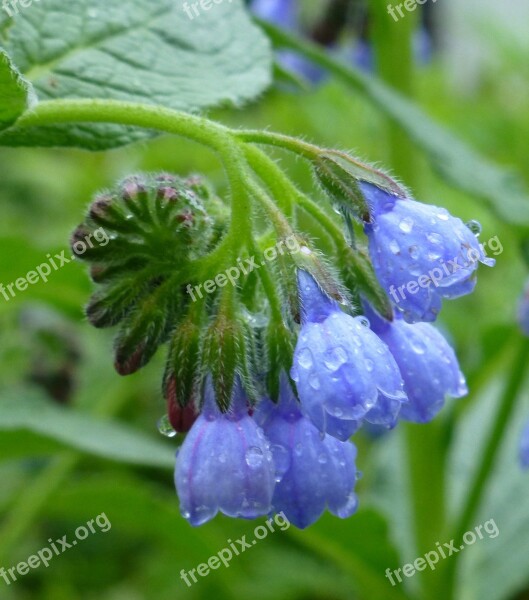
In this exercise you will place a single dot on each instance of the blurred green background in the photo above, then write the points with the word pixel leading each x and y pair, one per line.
pixel 50 483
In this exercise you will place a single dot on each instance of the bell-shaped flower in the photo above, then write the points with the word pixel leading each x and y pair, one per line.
pixel 314 472
pixel 427 362
pixel 420 253
pixel 344 373
pixel 225 464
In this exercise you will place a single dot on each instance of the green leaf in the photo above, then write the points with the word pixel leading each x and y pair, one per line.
pixel 24 410
pixel 16 94
pixel 451 158
pixel 361 546
pixel 144 51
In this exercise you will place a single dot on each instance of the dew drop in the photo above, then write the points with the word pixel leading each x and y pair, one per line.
pixel 364 322
pixel 443 216
pixel 475 227
pixel 165 427
pixel 305 250
pixel 349 507
pixel 406 225
pixel 281 458
pixel 417 346
pixel 298 449
pixel 335 358
pixel 314 382
pixel 414 252
pixel 254 457
pixel 322 459
pixel 394 247
pixel 370 365
pixel 434 238
pixel 305 359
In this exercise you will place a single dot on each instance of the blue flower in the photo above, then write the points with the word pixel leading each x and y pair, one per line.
pixel 427 363
pixel 224 464
pixel 284 13
pixel 314 472
pixel 420 253
pixel 523 311
pixel 524 447
pixel 344 373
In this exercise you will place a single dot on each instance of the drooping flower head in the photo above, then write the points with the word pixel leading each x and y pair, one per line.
pixel 344 373
pixel 225 464
pixel 427 363
pixel 420 253
pixel 314 472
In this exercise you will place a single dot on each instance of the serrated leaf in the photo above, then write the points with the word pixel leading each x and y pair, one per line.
pixel 16 94
pixel 144 51
pixel 24 410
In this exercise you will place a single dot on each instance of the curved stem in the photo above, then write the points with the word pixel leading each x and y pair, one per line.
pixel 198 129
pixel 279 140
pixel 270 174
pixel 484 470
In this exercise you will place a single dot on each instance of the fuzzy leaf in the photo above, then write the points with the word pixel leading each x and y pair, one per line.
pixel 144 51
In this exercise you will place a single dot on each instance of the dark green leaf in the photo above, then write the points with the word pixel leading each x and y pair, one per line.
pixel 16 94
pixel 24 410
pixel 142 51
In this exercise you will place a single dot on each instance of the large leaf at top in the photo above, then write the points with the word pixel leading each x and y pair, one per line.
pixel 16 94
pixel 139 50
pixel 450 157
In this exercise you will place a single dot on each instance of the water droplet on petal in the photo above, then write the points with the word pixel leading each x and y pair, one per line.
pixel 394 247
pixel 281 458
pixel 434 238
pixel 370 365
pixel 443 216
pixel 414 252
pixel 254 457
pixel 314 382
pixel 335 358
pixel 417 346
pixel 406 225
pixel 475 227
pixel 349 507
pixel 364 322
pixel 165 427
pixel 305 359
pixel 322 458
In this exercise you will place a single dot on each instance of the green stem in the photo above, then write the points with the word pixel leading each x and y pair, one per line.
pixel 488 459
pixel 394 58
pixel 200 130
pixel 279 140
pixel 271 175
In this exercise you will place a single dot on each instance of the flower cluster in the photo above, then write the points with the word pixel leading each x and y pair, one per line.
pixel 269 380
pixel 294 454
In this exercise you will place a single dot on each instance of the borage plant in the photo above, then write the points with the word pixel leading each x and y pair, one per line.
pixel 291 319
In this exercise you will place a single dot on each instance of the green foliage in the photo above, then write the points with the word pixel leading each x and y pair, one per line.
pixel 146 51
